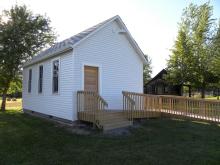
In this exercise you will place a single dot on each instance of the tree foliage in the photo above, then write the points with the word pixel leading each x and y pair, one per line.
pixel 147 70
pixel 215 67
pixel 22 35
pixel 15 86
pixel 191 59
pixel 180 62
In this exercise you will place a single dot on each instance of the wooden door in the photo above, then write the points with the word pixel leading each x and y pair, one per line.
pixel 91 77
pixel 91 84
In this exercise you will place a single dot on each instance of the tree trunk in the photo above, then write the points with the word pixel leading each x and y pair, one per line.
pixel 218 93
pixel 4 100
pixel 203 90
pixel 190 90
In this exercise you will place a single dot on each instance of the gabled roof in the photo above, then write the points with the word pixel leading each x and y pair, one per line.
pixel 158 76
pixel 70 43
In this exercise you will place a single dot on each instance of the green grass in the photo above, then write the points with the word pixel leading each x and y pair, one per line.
pixel 30 140
pixel 212 97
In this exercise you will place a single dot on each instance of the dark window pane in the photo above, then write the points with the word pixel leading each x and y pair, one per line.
pixel 29 80
pixel 55 84
pixel 40 86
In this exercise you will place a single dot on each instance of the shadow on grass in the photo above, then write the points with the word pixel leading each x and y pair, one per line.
pixel 30 140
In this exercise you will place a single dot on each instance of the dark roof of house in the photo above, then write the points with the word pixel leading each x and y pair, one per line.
pixel 163 71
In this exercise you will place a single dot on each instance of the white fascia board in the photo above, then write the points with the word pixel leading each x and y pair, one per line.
pixel 45 57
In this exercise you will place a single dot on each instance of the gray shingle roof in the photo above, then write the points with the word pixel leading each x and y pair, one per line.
pixel 67 43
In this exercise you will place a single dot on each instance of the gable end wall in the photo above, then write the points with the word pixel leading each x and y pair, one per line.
pixel 121 68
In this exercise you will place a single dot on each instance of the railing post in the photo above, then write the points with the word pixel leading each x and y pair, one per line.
pixel 128 105
pixel 89 105
pixel 77 104
pixel 204 108
pixel 186 106
pixel 132 110
pixel 160 103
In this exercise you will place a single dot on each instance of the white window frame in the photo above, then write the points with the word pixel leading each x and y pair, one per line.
pixel 29 92
pixel 41 64
pixel 55 93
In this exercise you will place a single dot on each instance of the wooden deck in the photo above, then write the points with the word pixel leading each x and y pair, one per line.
pixel 112 119
pixel 105 119
pixel 201 109
pixel 189 115
pixel 92 108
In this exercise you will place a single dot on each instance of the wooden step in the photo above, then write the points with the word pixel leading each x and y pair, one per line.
pixel 112 117
pixel 107 119
pixel 113 120
pixel 111 113
pixel 115 125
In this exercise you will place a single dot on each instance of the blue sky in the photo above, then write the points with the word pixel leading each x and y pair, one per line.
pixel 152 23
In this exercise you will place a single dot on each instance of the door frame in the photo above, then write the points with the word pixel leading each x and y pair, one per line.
pixel 99 75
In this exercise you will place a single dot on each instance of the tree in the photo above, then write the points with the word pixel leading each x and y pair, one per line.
pixel 22 35
pixel 215 67
pixel 180 62
pixel 192 56
pixel 202 40
pixel 147 69
pixel 15 87
pixel 216 51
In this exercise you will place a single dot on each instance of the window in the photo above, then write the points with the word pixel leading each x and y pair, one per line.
pixel 29 80
pixel 55 76
pixel 40 81
pixel 166 89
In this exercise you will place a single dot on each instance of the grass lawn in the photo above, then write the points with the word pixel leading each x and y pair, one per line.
pixel 212 98
pixel 30 140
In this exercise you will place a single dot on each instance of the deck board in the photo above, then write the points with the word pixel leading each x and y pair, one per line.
pixel 112 119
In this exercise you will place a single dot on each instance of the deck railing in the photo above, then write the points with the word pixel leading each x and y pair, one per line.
pixel 173 105
pixel 128 105
pixel 142 105
pixel 89 105
pixel 191 107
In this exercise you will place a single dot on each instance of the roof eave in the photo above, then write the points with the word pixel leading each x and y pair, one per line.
pixel 43 58
pixel 98 29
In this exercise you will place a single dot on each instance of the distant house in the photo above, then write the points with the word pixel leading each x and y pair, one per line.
pixel 104 59
pixel 216 92
pixel 159 86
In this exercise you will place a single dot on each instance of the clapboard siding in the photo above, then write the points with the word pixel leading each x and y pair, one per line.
pixel 121 67
pixel 59 105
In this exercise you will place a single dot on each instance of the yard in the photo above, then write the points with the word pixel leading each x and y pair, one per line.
pixel 30 140
pixel 13 104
